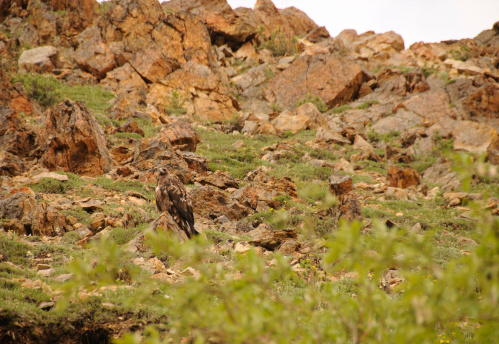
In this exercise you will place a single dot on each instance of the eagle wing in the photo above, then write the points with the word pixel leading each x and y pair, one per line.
pixel 171 196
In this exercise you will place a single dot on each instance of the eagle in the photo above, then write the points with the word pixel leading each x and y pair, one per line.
pixel 171 197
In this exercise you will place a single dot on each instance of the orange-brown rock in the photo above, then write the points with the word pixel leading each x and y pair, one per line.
pixel 484 102
pixel 181 135
pixel 13 96
pixel 284 185
pixel 218 16
pixel 306 77
pixel 402 177
pixel 340 185
pixel 28 217
pixel 130 126
pixel 219 179
pixel 74 141
pixel 211 99
pixel 348 207
pixel 93 55
pixel 17 141
pixel 211 203
pixel 269 238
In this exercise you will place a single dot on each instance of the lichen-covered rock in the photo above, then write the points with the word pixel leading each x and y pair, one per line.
pixel 74 141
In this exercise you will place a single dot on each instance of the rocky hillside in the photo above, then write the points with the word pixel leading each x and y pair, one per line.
pixel 282 134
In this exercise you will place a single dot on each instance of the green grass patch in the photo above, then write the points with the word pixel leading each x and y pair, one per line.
pixel 48 91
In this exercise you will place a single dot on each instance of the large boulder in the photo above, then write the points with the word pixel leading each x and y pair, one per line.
pixel 335 80
pixel 24 215
pixel 200 88
pixel 93 55
pixel 39 60
pixel 13 96
pixel 220 18
pixel 475 137
pixel 17 141
pixel 182 136
pixel 74 141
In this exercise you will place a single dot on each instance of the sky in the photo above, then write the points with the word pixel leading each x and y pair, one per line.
pixel 414 20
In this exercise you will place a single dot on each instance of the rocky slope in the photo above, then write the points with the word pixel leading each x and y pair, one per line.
pixel 248 107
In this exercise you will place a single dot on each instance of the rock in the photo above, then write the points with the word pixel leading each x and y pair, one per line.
pixel 441 174
pixel 402 177
pixel 218 16
pixel 400 122
pixel 211 100
pixel 39 60
pixel 391 81
pixel 343 165
pixel 164 223
pixel 182 136
pixel 242 247
pixel 212 203
pixel 74 141
pixel 287 122
pixel 397 155
pixel 331 136
pixel 153 64
pixel 306 77
pixel 219 179
pixel 366 150
pixel 27 217
pixel 484 102
pixel 267 237
pixel 246 51
pixel 317 35
pixel 432 105
pixel 50 175
pixel 63 278
pixel 152 265
pixel 93 55
pixel 348 206
pixel 284 185
pixel 17 143
pixel 195 162
pixel 475 137
pixel 123 78
pixel 13 97
pixel 130 126
pixel 340 185
pixel 317 119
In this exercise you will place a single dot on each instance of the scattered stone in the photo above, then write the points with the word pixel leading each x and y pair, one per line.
pixel 46 305
pixel 402 177
pixel 267 237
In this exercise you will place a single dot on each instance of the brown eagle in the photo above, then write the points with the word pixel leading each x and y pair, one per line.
pixel 171 197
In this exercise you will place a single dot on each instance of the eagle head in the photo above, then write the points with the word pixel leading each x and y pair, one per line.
pixel 162 171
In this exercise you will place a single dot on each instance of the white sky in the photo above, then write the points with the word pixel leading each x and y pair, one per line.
pixel 415 20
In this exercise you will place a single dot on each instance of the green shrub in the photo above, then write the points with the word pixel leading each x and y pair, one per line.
pixel 317 101
pixel 51 185
pixel 341 108
pixel 367 104
pixel 45 90
pixel 279 43
pixel 176 103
